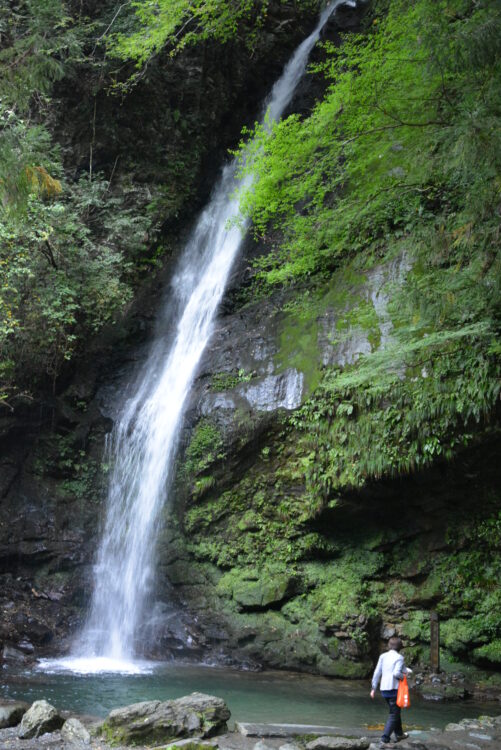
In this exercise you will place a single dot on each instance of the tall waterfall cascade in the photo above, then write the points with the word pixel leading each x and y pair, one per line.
pixel 143 443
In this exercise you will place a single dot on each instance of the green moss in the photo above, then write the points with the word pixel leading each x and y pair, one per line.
pixel 490 652
pixel 298 348
pixel 343 668
pixel 305 319
pixel 431 590
pixel 417 626
pixel 202 485
pixel 114 736
pixel 225 381
pixel 270 512
pixel 417 654
pixel 202 517
pixel 409 560
pixel 205 447
pixel 233 578
pixel 251 588
pixel 250 521
pixel 458 635
pixel 341 591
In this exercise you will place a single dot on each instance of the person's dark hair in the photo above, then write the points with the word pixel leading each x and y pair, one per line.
pixel 395 643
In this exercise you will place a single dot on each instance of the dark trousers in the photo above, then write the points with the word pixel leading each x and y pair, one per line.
pixel 394 721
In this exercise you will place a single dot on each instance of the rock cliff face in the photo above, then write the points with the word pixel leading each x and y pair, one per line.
pixel 269 577
pixel 256 571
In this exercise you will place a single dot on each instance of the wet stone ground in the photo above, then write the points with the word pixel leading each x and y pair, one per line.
pixel 468 734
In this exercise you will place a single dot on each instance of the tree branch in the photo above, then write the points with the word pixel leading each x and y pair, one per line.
pixel 49 254
pixel 400 124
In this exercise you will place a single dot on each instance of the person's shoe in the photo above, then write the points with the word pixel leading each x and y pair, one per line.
pixel 404 736
pixel 382 743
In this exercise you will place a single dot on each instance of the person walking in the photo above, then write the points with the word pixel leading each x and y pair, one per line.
pixel 389 671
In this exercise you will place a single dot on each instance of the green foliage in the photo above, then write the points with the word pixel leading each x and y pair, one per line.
pixel 399 161
pixel 224 381
pixel 417 627
pixel 39 40
pixel 70 250
pixel 205 447
pixel 489 532
pixel 400 158
pixel 64 271
pixel 409 125
pixel 398 411
pixel 490 652
pixel 470 591
pixel 458 635
pixel 176 24
pixel 341 591
pixel 63 458
pixel 26 159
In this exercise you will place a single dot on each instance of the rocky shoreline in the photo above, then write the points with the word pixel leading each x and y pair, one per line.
pixel 199 721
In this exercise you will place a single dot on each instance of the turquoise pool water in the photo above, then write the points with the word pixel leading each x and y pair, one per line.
pixel 262 696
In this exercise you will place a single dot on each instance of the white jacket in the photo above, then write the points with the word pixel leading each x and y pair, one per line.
pixel 390 670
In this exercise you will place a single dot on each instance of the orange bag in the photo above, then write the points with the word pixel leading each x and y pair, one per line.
pixel 403 700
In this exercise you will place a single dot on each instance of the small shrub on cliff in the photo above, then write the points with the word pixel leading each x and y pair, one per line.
pixel 205 447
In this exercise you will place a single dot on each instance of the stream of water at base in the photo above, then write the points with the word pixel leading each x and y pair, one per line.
pixel 281 697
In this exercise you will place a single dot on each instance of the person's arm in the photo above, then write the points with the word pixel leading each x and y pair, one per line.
pixel 377 675
pixel 400 670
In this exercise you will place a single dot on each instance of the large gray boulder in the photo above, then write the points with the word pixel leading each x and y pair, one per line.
pixel 11 713
pixel 39 719
pixel 74 731
pixel 195 715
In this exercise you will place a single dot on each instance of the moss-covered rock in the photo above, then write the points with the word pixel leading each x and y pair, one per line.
pixel 489 653
pixel 154 722
pixel 251 590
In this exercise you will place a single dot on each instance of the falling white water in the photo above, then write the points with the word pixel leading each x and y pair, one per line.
pixel 143 443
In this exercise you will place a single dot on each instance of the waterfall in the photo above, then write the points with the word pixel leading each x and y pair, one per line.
pixel 143 443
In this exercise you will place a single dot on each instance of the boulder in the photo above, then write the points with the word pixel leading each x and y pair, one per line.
pixel 195 715
pixel 339 743
pixel 39 719
pixel 75 732
pixel 11 713
pixel 13 654
pixel 261 593
pixel 26 647
pixel 262 746
pixel 443 692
